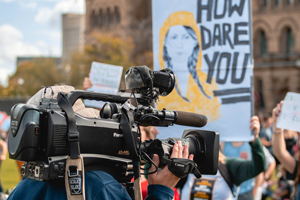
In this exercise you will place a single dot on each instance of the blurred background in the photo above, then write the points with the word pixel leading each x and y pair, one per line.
pixel 48 42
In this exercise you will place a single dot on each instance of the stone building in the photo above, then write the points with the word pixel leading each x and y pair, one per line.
pixel 276 50
pixel 125 19
pixel 73 27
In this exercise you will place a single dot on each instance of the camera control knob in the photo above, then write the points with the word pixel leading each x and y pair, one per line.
pixel 171 142
pixel 23 170
pixel 55 168
pixel 61 166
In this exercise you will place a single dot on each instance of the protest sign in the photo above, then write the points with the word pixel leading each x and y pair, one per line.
pixel 289 117
pixel 105 79
pixel 207 44
pixel 4 121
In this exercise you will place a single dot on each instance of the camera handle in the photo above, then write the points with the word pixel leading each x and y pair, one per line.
pixel 74 175
pixel 116 98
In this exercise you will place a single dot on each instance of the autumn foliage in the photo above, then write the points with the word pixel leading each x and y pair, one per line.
pixel 31 76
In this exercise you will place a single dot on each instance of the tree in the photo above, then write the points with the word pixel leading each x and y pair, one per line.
pixel 31 76
pixel 2 91
pixel 106 49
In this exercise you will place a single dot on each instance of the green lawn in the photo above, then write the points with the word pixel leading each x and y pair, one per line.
pixel 10 175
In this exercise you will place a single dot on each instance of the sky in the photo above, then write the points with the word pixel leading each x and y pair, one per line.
pixel 31 28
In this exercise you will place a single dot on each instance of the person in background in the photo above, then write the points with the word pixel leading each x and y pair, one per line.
pixel 284 188
pixel 241 150
pixel 260 117
pixel 290 138
pixel 266 132
pixel 3 152
pixel 260 190
pixel 4 127
pixel 286 159
pixel 231 173
pixel 283 191
pixel 148 132
pixel 296 147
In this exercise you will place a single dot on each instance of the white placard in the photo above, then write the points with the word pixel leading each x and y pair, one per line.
pixel 289 117
pixel 207 43
pixel 105 79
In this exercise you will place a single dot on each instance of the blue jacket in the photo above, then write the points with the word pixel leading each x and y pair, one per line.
pixel 98 185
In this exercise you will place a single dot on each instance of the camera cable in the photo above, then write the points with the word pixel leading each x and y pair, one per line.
pixel 151 161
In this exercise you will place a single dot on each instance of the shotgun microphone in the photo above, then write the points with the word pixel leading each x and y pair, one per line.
pixel 190 119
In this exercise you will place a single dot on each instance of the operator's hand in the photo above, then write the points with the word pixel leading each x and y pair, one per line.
pixel 164 176
pixel 255 126
pixel 87 83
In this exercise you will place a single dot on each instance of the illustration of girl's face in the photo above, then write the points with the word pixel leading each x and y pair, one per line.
pixel 179 43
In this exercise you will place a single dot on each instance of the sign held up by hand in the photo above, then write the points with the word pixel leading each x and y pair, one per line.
pixel 290 113
pixel 207 44
pixel 105 79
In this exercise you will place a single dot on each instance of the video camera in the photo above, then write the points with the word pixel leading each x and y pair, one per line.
pixel 40 135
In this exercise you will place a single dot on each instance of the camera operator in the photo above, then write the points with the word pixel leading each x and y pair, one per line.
pixel 99 184
pixel 285 158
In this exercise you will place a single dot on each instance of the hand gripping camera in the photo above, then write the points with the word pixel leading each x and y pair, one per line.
pixel 40 135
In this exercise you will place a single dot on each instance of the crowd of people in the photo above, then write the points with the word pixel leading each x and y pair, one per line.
pixel 264 168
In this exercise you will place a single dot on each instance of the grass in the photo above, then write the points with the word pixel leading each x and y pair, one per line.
pixel 10 175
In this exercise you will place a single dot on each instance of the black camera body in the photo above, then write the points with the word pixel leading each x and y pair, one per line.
pixel 39 134
pixel 46 135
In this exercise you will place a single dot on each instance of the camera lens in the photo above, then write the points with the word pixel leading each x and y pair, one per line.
pixel 196 146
